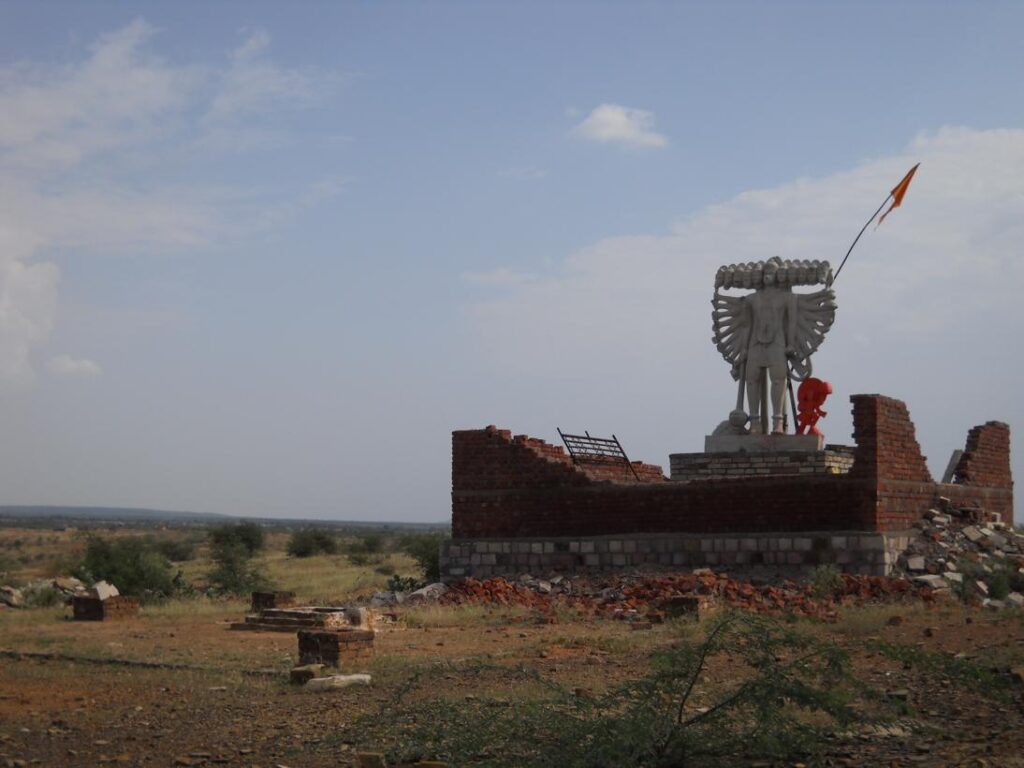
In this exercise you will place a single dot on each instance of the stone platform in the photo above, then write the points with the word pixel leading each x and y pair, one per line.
pixel 832 460
pixel 763 443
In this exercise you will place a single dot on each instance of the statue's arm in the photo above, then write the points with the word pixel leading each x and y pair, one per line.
pixel 746 323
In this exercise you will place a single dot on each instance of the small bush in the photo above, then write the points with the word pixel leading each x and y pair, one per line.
pixel 998 584
pixel 247 534
pixel 826 582
pixel 404 583
pixel 134 565
pixel 44 596
pixel 385 569
pixel 234 573
pixel 362 558
pixel 425 549
pixel 176 550
pixel 312 541
pixel 370 544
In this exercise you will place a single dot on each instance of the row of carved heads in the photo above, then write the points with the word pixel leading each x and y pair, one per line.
pixel 783 273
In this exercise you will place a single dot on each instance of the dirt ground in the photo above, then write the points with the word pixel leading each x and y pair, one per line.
pixel 240 710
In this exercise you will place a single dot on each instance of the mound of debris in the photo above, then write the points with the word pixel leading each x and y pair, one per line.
pixel 970 552
pixel 44 592
pixel 640 596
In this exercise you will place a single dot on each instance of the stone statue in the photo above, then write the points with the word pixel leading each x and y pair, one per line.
pixel 769 335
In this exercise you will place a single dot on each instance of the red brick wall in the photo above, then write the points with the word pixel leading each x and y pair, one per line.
pixel 986 459
pixel 505 487
pixel 491 459
pixel 886 441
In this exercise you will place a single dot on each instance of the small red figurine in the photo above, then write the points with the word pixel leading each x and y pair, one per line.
pixel 810 397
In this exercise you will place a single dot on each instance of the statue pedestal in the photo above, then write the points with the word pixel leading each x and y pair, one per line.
pixel 763 443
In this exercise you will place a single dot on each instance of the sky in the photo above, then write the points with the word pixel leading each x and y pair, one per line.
pixel 262 258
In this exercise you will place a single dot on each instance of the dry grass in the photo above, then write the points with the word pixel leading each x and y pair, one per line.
pixel 465 616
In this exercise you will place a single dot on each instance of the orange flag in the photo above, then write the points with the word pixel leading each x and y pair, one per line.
pixel 898 192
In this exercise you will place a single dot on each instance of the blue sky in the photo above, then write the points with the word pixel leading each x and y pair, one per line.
pixel 261 258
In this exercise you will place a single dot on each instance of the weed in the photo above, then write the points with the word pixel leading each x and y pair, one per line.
pixel 962 671
pixel 403 583
pixel 781 677
pixel 826 581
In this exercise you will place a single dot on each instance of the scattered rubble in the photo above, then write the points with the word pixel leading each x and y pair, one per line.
pixel 11 597
pixel 960 550
pixel 648 597
pixel 428 594
pixel 31 594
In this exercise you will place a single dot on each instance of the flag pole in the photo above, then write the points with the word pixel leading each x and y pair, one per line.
pixel 896 195
pixel 862 230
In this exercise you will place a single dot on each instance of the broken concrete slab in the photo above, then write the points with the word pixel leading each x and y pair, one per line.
pixel 336 682
pixel 103 590
pixel 931 580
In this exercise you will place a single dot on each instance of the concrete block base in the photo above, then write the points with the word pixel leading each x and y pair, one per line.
pixel 792 553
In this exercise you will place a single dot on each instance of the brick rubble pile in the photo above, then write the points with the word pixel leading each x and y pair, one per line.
pixel 961 550
pixel 643 596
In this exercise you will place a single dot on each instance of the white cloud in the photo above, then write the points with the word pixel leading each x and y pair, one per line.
pixel 931 304
pixel 72 139
pixel 251 83
pixel 614 123
pixel 67 367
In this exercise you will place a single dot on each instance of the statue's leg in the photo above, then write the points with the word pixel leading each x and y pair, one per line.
pixel 777 373
pixel 754 396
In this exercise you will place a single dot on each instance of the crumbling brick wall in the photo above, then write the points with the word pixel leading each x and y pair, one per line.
pixel 504 487
pixel 986 457
pixel 491 459
pixel 982 477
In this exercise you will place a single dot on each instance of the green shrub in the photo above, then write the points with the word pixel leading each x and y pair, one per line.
pixel 312 541
pixel 826 582
pixel 789 692
pixel 43 596
pixel 425 549
pixel 233 572
pixel 998 584
pixel 362 558
pixel 370 543
pixel 247 534
pixel 177 550
pixel 134 565
pixel 404 583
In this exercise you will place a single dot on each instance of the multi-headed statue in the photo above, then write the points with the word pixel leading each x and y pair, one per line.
pixel 768 336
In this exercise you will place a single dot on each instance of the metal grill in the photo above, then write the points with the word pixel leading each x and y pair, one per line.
pixel 602 449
